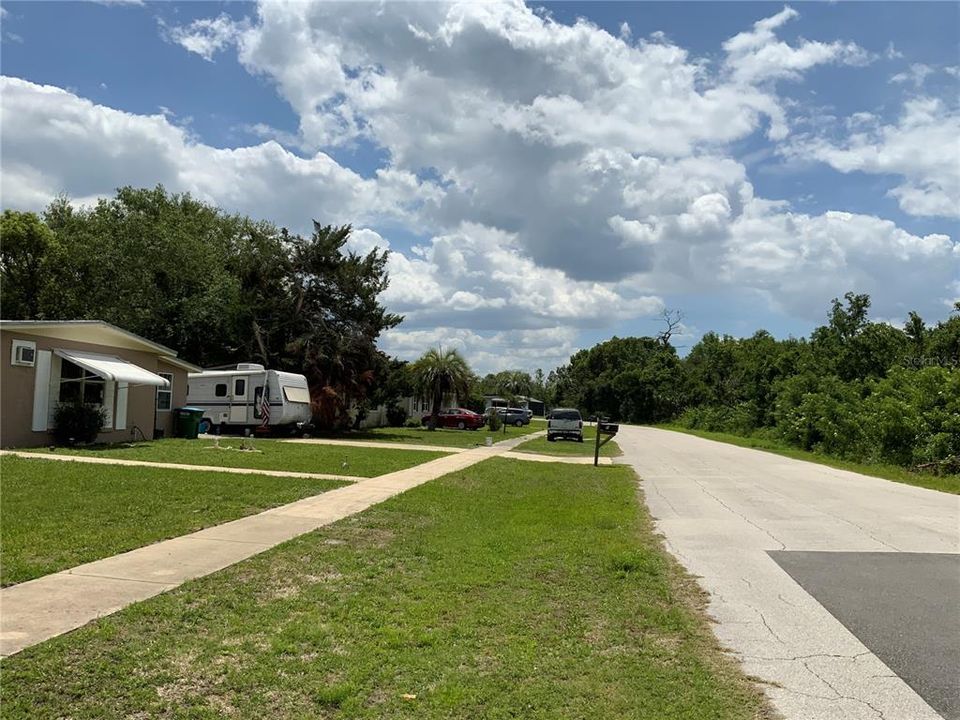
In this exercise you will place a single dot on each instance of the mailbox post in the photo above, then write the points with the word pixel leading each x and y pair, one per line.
pixel 605 428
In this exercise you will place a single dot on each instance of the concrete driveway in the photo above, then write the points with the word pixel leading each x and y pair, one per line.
pixel 839 591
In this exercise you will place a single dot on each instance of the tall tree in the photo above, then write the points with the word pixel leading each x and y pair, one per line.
pixel 26 246
pixel 219 288
pixel 438 373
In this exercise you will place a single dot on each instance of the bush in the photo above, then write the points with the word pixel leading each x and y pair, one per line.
pixel 823 414
pixel 412 423
pixel 494 421
pixel 77 423
pixel 396 416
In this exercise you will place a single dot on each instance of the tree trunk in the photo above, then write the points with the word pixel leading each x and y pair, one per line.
pixel 435 412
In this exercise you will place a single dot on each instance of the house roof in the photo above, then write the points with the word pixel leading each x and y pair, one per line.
pixel 96 332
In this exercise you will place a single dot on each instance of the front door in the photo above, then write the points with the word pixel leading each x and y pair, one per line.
pixel 239 404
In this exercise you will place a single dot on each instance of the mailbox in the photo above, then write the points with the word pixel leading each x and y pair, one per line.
pixel 608 428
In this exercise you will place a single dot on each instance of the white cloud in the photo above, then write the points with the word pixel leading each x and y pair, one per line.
pixel 797 260
pixel 916 74
pixel 206 36
pixel 577 177
pixel 489 351
pixel 478 274
pixel 54 141
pixel 922 147
pixel 891 53
pixel 758 55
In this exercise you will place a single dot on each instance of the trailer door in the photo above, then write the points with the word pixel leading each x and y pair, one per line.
pixel 239 402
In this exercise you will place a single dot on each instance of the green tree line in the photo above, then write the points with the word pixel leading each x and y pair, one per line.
pixel 219 288
pixel 856 389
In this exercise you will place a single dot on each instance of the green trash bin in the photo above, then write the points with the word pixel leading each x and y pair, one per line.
pixel 188 422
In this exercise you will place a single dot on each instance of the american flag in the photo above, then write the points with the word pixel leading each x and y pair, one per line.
pixel 265 406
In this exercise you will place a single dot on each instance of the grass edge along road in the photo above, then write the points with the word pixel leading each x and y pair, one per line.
pixel 445 437
pixel 566 448
pixel 896 473
pixel 268 455
pixel 57 515
pixel 502 590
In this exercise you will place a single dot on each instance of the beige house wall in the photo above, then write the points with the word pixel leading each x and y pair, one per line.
pixel 17 387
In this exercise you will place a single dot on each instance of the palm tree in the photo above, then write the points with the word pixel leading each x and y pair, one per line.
pixel 437 373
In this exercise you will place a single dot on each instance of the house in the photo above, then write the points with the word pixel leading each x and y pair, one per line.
pixel 47 362
pixel 416 408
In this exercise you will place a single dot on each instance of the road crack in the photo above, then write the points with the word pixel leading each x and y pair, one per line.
pixel 740 515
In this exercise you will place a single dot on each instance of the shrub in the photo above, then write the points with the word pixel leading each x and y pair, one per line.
pixel 77 423
pixel 396 416
pixel 494 421
pixel 413 423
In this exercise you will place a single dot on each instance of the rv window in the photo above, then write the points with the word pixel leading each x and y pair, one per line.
pixel 220 390
pixel 296 394
pixel 239 386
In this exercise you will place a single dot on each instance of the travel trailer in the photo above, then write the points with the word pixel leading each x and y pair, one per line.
pixel 234 398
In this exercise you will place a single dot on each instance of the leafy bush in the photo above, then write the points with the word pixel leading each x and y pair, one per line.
pixel 913 416
pixel 494 421
pixel 77 423
pixel 413 423
pixel 396 416
pixel 738 419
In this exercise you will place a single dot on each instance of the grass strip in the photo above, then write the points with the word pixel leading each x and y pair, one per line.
pixel 896 473
pixel 57 515
pixel 504 590
pixel 269 455
pixel 445 437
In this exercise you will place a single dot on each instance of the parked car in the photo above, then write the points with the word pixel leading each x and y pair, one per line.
pixel 459 418
pixel 513 416
pixel 565 424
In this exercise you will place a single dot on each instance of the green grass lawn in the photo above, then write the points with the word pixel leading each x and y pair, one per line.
pixel 944 483
pixel 444 437
pixel 273 455
pixel 506 590
pixel 57 515
pixel 542 446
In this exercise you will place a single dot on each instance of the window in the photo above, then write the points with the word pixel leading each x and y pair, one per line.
pixel 239 386
pixel 165 395
pixel 220 390
pixel 296 394
pixel 79 385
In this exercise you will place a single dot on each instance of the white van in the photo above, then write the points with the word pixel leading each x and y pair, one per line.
pixel 233 398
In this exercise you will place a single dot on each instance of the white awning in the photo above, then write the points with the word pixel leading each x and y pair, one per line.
pixel 112 368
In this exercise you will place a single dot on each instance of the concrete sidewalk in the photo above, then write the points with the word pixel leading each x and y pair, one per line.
pixel 179 466
pixel 40 609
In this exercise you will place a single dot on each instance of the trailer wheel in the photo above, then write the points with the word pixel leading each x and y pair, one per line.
pixel 204 426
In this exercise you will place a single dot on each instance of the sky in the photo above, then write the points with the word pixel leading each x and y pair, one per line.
pixel 545 176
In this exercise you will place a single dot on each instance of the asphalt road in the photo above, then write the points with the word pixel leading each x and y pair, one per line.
pixel 841 638
pixel 902 606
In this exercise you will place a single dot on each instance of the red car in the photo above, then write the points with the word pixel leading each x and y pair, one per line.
pixel 459 418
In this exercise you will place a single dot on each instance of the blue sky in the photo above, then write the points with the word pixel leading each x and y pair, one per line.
pixel 812 158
